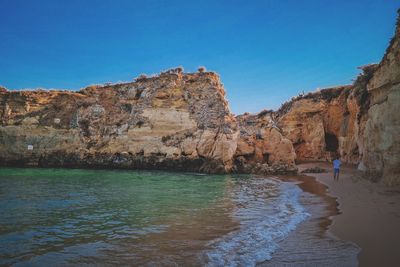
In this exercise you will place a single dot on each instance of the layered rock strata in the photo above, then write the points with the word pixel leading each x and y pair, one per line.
pixel 261 146
pixel 176 121
pixel 320 123
pixel 380 134
pixel 359 122
pixel 181 121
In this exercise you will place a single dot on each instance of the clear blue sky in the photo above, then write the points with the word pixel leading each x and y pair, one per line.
pixel 265 51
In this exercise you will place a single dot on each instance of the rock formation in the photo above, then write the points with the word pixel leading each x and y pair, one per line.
pixel 172 121
pixel 261 146
pixel 360 122
pixel 181 121
pixel 380 135
pixel 318 123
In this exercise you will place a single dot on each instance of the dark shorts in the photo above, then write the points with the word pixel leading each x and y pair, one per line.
pixel 335 171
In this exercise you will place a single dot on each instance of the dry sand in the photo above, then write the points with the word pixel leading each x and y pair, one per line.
pixel 370 214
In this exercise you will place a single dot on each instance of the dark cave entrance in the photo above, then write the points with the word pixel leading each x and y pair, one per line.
pixel 331 142
pixel 266 157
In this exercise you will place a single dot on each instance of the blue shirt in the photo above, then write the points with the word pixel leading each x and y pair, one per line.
pixel 336 164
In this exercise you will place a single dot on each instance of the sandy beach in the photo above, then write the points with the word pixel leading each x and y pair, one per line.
pixel 369 214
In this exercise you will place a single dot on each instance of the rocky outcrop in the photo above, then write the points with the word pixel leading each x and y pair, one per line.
pixel 261 146
pixel 181 121
pixel 319 123
pixel 380 135
pixel 172 121
pixel 360 122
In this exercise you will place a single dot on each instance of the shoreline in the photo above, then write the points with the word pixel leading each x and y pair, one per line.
pixel 311 243
pixel 368 214
pixel 357 211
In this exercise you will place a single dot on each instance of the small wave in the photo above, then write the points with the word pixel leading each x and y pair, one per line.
pixel 267 210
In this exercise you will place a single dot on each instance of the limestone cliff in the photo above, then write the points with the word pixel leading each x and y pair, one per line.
pixel 181 121
pixel 320 123
pixel 174 121
pixel 360 122
pixel 380 138
pixel 261 146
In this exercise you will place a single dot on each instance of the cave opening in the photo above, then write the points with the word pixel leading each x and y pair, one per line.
pixel 266 157
pixel 331 142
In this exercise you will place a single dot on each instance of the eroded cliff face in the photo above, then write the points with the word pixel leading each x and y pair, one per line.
pixel 380 136
pixel 261 146
pixel 320 123
pixel 173 121
pixel 181 121
pixel 360 122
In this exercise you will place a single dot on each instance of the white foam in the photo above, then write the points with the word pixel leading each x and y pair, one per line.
pixel 267 211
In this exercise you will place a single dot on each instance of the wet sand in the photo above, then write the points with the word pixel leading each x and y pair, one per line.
pixel 311 243
pixel 369 214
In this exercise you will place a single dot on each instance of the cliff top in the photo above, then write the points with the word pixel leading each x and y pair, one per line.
pixel 393 40
pixel 171 73
pixel 326 94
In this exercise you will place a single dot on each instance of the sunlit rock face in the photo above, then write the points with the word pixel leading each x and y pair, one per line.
pixel 261 146
pixel 174 121
pixel 321 124
pixel 381 130
pixel 181 121
pixel 359 122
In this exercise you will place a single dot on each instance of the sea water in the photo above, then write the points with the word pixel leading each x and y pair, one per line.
pixel 74 217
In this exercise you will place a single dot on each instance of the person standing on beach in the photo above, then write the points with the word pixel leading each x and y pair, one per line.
pixel 336 168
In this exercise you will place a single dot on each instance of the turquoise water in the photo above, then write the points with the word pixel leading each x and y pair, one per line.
pixel 72 217
pixel 47 211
